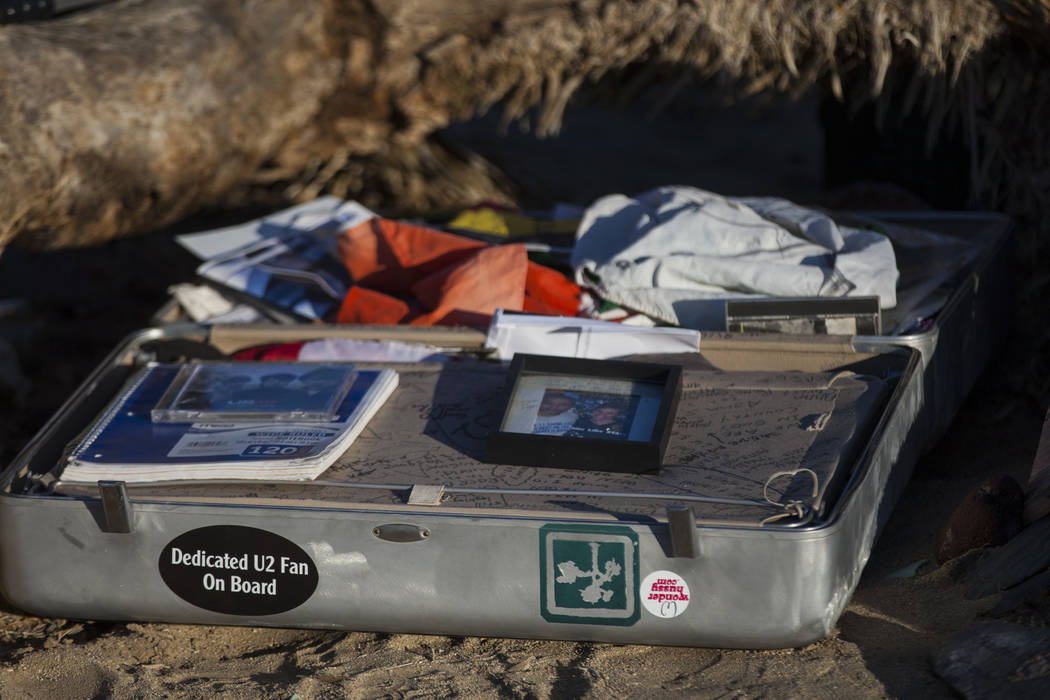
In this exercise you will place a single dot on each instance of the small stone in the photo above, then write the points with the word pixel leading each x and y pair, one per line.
pixel 988 517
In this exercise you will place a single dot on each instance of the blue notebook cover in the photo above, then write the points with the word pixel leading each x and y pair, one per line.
pixel 126 436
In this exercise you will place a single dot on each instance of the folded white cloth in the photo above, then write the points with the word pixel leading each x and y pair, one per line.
pixel 675 253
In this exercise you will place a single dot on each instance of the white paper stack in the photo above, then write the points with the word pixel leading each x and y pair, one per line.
pixel 563 336
pixel 126 445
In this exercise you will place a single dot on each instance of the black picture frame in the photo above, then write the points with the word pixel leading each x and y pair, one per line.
pixel 535 429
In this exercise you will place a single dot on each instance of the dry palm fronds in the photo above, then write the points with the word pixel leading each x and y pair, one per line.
pixel 975 67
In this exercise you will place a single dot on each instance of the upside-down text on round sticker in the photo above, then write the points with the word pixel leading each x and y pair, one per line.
pixel 664 594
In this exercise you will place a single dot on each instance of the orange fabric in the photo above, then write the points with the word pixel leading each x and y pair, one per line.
pixel 493 278
pixel 390 256
pixel 548 291
pixel 458 281
pixel 367 306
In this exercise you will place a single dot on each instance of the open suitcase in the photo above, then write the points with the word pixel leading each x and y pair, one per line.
pixel 957 343
pixel 785 459
pixel 953 303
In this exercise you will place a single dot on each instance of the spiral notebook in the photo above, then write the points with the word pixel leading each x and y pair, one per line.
pixel 125 444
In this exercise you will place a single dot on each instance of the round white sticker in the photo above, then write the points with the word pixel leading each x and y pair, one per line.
pixel 665 594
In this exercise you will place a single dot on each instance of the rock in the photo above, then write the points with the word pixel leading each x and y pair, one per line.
pixel 1037 494
pixel 1029 591
pixel 1013 563
pixel 997 660
pixel 989 516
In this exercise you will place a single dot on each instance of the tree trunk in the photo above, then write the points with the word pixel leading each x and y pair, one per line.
pixel 132 114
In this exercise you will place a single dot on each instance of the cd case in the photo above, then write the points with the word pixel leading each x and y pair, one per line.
pixel 242 391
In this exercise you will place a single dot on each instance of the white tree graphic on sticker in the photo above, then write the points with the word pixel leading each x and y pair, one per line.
pixel 594 592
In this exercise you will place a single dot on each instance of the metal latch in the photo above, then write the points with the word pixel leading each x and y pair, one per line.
pixel 116 507
pixel 682 524
pixel 426 495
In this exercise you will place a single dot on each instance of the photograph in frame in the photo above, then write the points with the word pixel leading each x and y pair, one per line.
pixel 583 408
pixel 585 414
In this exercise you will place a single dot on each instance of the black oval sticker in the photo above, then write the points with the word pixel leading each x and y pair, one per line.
pixel 238 570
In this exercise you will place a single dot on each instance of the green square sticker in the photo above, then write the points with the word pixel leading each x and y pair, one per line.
pixel 589 574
